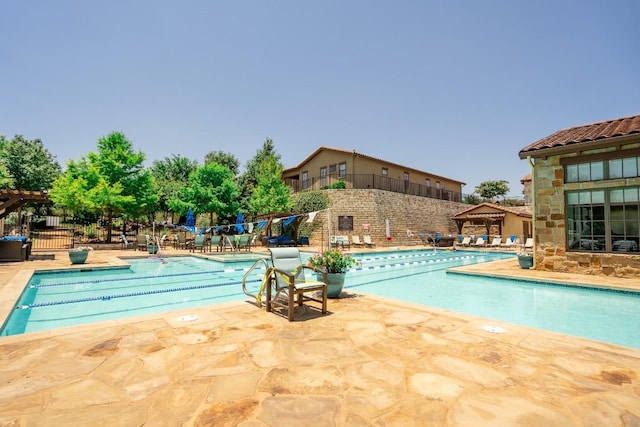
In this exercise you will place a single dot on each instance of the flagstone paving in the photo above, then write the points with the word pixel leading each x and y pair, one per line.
pixel 368 362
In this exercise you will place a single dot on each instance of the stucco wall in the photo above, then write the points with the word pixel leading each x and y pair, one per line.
pixel 550 220
pixel 405 212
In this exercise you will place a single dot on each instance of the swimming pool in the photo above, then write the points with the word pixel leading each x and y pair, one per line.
pixel 53 300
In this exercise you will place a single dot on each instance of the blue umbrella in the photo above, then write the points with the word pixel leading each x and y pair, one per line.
pixel 191 221
pixel 240 223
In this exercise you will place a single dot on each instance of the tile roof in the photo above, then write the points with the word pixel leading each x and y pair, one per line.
pixel 498 210
pixel 586 134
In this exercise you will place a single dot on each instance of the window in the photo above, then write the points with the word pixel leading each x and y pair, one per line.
pixel 332 168
pixel 628 167
pixel 305 180
pixel 342 169
pixel 428 183
pixel 323 176
pixel 385 172
pixel 604 220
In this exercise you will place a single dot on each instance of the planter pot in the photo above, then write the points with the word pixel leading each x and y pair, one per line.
pixel 78 257
pixel 152 249
pixel 525 261
pixel 335 282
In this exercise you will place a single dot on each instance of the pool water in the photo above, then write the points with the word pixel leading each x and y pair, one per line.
pixel 59 299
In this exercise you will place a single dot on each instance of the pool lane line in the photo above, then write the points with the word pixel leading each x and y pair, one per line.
pixel 132 294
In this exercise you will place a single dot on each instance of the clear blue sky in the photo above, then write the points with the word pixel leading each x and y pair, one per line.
pixel 455 88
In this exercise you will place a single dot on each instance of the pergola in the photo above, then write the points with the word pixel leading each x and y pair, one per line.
pixel 12 200
pixel 488 219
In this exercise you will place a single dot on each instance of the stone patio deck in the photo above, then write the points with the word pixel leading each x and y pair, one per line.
pixel 369 362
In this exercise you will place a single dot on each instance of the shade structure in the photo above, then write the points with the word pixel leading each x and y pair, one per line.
pixel 240 223
pixel 191 221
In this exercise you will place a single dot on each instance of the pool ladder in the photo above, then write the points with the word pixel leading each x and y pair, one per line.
pixel 249 271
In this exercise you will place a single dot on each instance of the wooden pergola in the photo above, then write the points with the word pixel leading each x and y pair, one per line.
pixel 12 200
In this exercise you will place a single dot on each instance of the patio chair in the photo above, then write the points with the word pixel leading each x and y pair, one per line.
pixel 287 278
pixel 480 242
pixel 181 241
pixel 496 242
pixel 215 242
pixel 511 242
pixel 228 242
pixel 243 243
pixel 528 244
pixel 141 242
pixel 355 240
pixel 466 241
pixel 198 243
pixel 126 244
pixel 367 241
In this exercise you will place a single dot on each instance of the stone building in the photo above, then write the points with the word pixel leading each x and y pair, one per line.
pixel 586 198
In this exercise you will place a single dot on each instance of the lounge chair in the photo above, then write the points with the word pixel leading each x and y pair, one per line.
pixel 528 244
pixel 181 241
pixel 215 242
pixel 244 243
pixel 496 242
pixel 341 242
pixel 198 243
pixel 479 242
pixel 287 278
pixel 126 244
pixel 510 242
pixel 228 242
pixel 367 241
pixel 355 240
pixel 141 242
pixel 466 241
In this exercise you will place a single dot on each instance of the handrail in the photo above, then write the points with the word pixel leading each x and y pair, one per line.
pixel 253 267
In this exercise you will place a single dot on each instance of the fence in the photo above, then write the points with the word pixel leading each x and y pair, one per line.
pixel 377 182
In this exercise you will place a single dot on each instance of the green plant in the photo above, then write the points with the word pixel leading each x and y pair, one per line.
pixel 81 249
pixel 332 261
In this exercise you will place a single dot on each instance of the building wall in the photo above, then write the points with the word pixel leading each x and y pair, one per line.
pixel 364 165
pixel 405 212
pixel 549 225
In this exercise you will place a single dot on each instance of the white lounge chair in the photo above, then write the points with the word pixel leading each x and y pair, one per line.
pixel 510 242
pixel 496 242
pixel 479 242
pixel 528 244
pixel 367 241
pixel 355 241
pixel 466 241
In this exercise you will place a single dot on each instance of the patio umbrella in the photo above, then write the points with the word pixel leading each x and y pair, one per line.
pixel 240 223
pixel 191 221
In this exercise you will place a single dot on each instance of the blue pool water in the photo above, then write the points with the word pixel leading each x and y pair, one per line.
pixel 54 300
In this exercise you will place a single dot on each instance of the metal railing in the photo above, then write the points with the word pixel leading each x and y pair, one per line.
pixel 376 182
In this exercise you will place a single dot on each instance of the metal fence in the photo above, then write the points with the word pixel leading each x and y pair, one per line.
pixel 377 182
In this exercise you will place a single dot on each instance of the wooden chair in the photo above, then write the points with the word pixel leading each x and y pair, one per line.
pixel 287 279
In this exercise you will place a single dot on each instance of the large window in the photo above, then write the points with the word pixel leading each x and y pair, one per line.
pixel 305 180
pixel 323 176
pixel 597 170
pixel 604 220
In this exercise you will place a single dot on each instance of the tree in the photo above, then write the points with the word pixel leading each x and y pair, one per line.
pixel 212 189
pixel 270 193
pixel 248 179
pixel 26 165
pixel 224 159
pixel 171 176
pixel 111 181
pixel 491 189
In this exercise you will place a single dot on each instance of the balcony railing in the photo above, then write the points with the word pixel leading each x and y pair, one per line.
pixel 376 182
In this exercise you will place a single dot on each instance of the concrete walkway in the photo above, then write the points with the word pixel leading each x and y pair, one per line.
pixel 369 362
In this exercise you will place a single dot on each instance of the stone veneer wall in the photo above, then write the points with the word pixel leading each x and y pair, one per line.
pixel 549 227
pixel 405 212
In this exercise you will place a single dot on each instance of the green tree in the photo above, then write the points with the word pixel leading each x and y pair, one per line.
pixel 224 159
pixel 171 176
pixel 111 181
pixel 249 178
pixel 26 164
pixel 212 189
pixel 270 194
pixel 490 190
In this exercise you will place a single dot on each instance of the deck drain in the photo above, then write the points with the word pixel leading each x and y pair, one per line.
pixel 187 318
pixel 494 329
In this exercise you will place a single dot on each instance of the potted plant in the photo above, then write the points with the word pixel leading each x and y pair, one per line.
pixel 78 255
pixel 335 263
pixel 525 259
